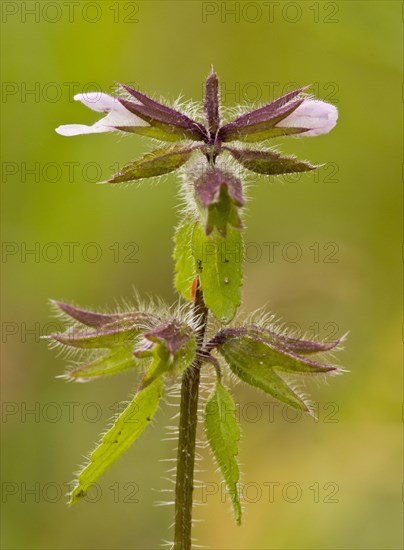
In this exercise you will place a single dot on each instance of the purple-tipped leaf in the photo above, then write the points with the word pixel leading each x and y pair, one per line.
pixel 156 163
pixel 294 345
pixel 248 360
pixel 159 127
pixel 261 126
pixel 300 346
pixel 117 360
pixel 220 197
pixel 262 113
pixel 96 319
pixel 277 351
pixel 170 122
pixel 268 162
pixel 152 104
pixel 105 336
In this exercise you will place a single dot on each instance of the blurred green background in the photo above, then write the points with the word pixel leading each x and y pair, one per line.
pixel 336 483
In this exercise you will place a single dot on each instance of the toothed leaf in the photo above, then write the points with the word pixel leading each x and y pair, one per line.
pixel 127 428
pixel 269 162
pixel 223 434
pixel 184 261
pixel 219 266
pixel 156 163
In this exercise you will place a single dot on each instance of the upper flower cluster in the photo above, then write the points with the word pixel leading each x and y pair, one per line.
pixel 292 114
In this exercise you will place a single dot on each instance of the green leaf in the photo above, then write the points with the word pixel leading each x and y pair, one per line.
pixel 156 163
pixel 184 357
pixel 107 336
pixel 127 428
pixel 219 195
pixel 269 162
pixel 115 361
pixel 164 361
pixel 279 350
pixel 160 365
pixel 184 262
pixel 260 132
pixel 173 349
pixel 223 433
pixel 218 262
pixel 254 362
pixel 162 132
pixel 222 213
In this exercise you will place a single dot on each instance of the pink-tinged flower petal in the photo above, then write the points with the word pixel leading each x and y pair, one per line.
pixel 318 116
pixel 78 129
pixel 98 101
pixel 117 115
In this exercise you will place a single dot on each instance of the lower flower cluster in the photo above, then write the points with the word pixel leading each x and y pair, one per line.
pixel 161 346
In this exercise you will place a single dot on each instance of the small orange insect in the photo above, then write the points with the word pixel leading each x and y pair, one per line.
pixel 194 288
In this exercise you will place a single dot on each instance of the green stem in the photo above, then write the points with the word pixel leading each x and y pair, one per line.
pixel 187 436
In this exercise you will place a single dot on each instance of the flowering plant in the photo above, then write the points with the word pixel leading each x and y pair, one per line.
pixel 170 343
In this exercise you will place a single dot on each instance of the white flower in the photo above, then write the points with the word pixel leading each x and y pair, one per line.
pixel 319 116
pixel 117 115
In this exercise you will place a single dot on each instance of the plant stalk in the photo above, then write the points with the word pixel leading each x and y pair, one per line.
pixel 187 435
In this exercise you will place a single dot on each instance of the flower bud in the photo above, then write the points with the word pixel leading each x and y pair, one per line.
pixel 219 195
pixel 318 116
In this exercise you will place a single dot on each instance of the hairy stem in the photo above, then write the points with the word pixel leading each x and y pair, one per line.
pixel 187 436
